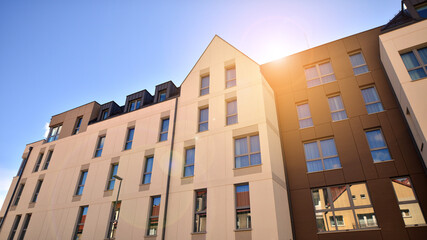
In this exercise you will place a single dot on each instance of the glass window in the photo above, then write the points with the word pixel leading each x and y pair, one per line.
pixel 243 207
pixel 378 146
pixel 114 217
pixel 204 86
pixel 37 191
pixel 408 203
pixel 319 74
pixel 416 63
pixel 247 151
pixel 164 130
pixel 48 158
pixel 335 209
pixel 14 227
pixel 162 95
pixel 111 179
pixel 337 108
pixel 134 105
pixel 230 77
pixel 54 133
pixel 80 222
pixel 129 139
pixel 325 159
pixel 203 119
pixel 100 146
pixel 422 10
pixel 232 112
pixel 77 125
pixel 200 211
pixel 82 181
pixel 358 63
pixel 189 162
pixel 38 162
pixel 19 193
pixel 304 116
pixel 104 114
pixel 24 226
pixel 153 220
pixel 146 179
pixel 372 101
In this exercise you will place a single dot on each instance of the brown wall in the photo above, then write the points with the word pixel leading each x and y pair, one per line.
pixel 287 78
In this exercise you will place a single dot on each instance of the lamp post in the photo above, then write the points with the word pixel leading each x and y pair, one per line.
pixel 115 203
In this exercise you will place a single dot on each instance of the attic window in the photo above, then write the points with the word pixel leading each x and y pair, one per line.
pixel 422 10
pixel 162 95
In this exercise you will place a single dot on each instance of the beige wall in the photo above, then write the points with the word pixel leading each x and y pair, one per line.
pixel 410 94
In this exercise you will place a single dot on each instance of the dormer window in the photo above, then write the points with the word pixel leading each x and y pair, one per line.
pixel 54 133
pixel 134 105
pixel 104 114
pixel 162 95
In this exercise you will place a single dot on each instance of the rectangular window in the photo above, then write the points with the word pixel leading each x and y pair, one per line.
pixel 319 74
pixel 243 207
pixel 358 63
pixel 99 146
pixel 54 133
pixel 162 96
pixel 48 158
pixel 337 108
pixel 247 151
pixel 19 193
pixel 111 179
pixel 336 210
pixel 80 222
pixel 129 139
pixel 38 162
pixel 203 119
pixel 408 203
pixel 204 85
pixel 112 225
pixel 379 149
pixel 77 125
pixel 200 211
pixel 304 116
pixel 82 181
pixel 325 159
pixel 422 10
pixel 416 63
pixel 189 162
pixel 232 112
pixel 14 227
pixel 230 77
pixel 104 114
pixel 24 226
pixel 134 105
pixel 146 179
pixel 372 101
pixel 153 220
pixel 164 130
pixel 37 191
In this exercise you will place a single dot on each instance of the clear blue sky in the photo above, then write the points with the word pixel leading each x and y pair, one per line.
pixel 57 55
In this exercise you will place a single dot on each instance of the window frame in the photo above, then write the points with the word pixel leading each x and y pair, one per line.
pixel 422 65
pixel 242 208
pixel 24 227
pixel 128 140
pixel 48 159
pixel 319 76
pixel 80 222
pixel 228 115
pixel 137 105
pixel 339 110
pixel 196 225
pixel 379 148
pixel 321 157
pixel 371 103
pixel 145 173
pixel 201 84
pixel 186 165
pixel 227 81
pixel 14 228
pixel 36 192
pixel 111 176
pixel 77 125
pixel 38 162
pixel 80 183
pixel 104 114
pixel 305 118
pixel 204 122
pixel 358 66
pixel 99 148
pixel 50 137
pixel 162 95
pixel 249 153
pixel 162 132
pixel 113 219
pixel 19 194
pixel 151 217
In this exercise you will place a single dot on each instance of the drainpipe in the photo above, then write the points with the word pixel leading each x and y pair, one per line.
pixel 20 171
pixel 169 171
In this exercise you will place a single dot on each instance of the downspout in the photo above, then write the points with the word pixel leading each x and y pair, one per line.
pixel 169 171
pixel 20 171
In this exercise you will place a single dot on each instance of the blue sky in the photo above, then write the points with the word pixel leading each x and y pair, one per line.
pixel 57 55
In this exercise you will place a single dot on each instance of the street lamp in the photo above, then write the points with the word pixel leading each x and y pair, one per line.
pixel 115 203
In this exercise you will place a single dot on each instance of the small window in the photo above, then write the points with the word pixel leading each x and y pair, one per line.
pixel 14 227
pixel 54 133
pixel 82 181
pixel 247 151
pixel 164 130
pixel 24 226
pixel 230 77
pixel 408 201
pixel 304 116
pixel 204 85
pixel 325 159
pixel 38 162
pixel 200 211
pixel 19 193
pixel 80 222
pixel 111 179
pixel 129 139
pixel 77 125
pixel 203 119
pixel 358 63
pixel 134 105
pixel 48 158
pixel 243 207
pixel 99 146
pixel 337 108
pixel 162 95
pixel 104 114
pixel 422 10
pixel 232 112
pixel 340 221
pixel 319 74
pixel 114 216
pixel 416 62
pixel 362 196
pixel 379 149
pixel 189 162
pixel 372 101
pixel 153 220
pixel 148 170
pixel 37 191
